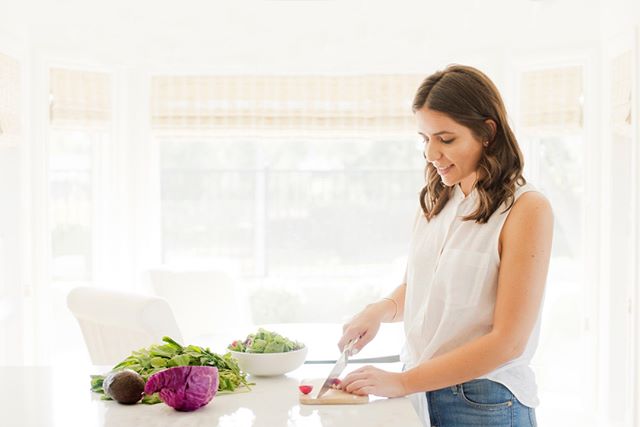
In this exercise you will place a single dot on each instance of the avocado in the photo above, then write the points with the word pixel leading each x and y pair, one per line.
pixel 125 386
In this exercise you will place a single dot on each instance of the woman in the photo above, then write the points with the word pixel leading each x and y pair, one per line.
pixel 476 271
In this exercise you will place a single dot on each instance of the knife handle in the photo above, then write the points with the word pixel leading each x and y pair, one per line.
pixel 349 347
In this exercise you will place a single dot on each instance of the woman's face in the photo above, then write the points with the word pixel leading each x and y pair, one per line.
pixel 450 147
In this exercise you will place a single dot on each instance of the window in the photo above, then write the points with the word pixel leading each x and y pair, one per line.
pixel 552 135
pixel 79 125
pixel 296 183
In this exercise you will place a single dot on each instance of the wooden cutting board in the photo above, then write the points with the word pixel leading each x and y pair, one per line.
pixel 331 397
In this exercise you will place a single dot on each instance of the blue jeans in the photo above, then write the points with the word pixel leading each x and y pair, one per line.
pixel 478 403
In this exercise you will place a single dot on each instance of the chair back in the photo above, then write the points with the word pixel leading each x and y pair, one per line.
pixel 115 323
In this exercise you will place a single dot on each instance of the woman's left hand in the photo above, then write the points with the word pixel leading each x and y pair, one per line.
pixel 370 380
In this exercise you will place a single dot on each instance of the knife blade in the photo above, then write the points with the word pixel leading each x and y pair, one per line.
pixel 337 368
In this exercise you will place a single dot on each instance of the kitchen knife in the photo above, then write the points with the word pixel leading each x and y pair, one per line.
pixel 337 368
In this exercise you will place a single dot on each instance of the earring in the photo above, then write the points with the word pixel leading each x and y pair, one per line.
pixel 486 143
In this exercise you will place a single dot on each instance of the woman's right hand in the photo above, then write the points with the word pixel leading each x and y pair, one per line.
pixel 363 326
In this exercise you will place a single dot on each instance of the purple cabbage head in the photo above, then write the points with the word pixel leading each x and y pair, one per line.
pixel 184 388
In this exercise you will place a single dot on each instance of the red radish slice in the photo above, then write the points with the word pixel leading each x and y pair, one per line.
pixel 305 389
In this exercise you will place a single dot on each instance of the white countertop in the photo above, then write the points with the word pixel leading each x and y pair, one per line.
pixel 45 396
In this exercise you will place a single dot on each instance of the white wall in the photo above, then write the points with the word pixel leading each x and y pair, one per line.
pixel 256 36
pixel 618 16
pixel 14 222
pixel 10 262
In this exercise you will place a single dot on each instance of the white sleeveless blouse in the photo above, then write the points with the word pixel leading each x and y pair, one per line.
pixel 452 280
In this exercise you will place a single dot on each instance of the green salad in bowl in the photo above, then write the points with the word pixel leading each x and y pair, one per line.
pixel 265 341
pixel 268 353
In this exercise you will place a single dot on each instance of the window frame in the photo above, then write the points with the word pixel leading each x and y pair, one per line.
pixel 595 323
pixel 598 157
pixel 629 347
pixel 42 287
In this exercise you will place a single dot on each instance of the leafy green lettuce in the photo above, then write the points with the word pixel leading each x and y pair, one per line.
pixel 148 361
pixel 265 341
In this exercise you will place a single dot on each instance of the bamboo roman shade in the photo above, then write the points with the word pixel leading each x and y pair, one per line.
pixel 551 99
pixel 9 100
pixel 621 89
pixel 80 98
pixel 371 102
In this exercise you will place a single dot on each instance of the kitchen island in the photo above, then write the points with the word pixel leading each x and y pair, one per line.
pixel 60 397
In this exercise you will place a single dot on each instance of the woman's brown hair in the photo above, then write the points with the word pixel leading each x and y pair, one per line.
pixel 471 99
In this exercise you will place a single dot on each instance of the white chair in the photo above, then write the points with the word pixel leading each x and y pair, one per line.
pixel 116 323
pixel 205 301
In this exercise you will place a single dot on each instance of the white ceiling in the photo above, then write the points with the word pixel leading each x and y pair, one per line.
pixel 296 35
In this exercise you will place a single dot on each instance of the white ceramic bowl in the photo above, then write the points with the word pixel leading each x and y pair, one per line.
pixel 270 364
